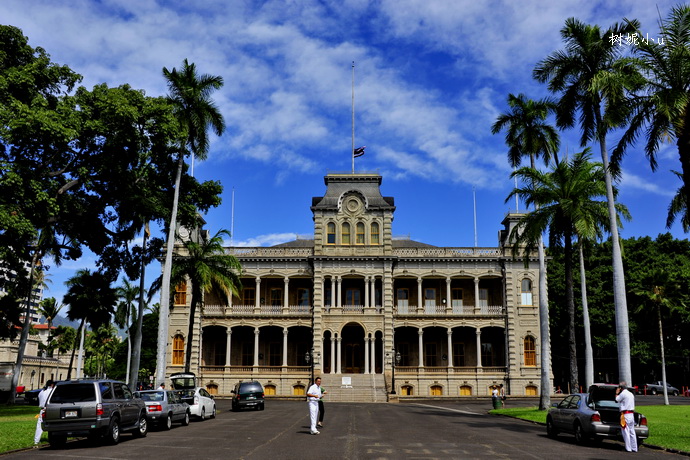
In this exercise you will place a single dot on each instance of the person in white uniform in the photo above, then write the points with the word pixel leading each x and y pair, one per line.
pixel 626 401
pixel 313 396
pixel 43 396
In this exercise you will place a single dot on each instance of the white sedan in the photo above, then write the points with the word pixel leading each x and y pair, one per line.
pixel 201 403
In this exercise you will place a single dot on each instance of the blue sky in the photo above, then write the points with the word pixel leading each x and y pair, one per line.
pixel 431 77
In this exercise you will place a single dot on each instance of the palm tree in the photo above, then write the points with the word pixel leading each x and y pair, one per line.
pixel 528 135
pixel 591 78
pixel 659 291
pixel 49 308
pixel 679 206
pixel 65 340
pixel 206 267
pixel 565 201
pixel 91 300
pixel 190 97
pixel 128 294
pixel 662 104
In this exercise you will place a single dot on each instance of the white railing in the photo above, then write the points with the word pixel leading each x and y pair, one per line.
pixel 447 252
pixel 353 308
pixel 440 310
pixel 242 308
pixel 299 309
pixel 270 252
pixel 214 310
pixel 271 309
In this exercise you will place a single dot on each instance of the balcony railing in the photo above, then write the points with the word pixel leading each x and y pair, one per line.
pixel 264 310
pixel 254 370
pixel 446 370
pixel 352 309
pixel 448 252
pixel 440 310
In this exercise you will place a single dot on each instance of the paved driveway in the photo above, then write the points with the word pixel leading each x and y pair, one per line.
pixel 425 430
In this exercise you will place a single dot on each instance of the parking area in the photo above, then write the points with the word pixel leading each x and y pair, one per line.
pixel 425 429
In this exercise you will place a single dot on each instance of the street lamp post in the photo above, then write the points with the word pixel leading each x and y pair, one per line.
pixel 309 358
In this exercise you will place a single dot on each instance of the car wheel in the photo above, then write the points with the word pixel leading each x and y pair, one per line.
pixel 640 442
pixel 113 433
pixel 185 420
pixel 56 440
pixel 261 406
pixel 203 413
pixel 168 422
pixel 213 414
pixel 551 430
pixel 143 429
pixel 580 437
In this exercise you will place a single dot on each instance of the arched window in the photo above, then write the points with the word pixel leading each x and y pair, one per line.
pixel 346 233
pixel 465 390
pixel 526 292
pixel 530 390
pixel 330 233
pixel 360 233
pixel 530 351
pixel 178 350
pixel 181 294
pixel 375 239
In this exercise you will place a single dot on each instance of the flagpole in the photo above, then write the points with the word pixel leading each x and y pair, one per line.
pixel 232 220
pixel 474 199
pixel 353 118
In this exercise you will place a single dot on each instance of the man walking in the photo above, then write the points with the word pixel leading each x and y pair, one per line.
pixel 313 396
pixel 626 401
pixel 43 396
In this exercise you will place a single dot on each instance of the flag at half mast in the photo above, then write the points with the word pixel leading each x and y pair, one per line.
pixel 358 152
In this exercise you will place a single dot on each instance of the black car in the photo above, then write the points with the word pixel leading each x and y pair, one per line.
pixel 248 394
pixel 31 396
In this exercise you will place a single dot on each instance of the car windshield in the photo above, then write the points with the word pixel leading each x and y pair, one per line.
pixel 71 393
pixel 151 395
pixel 250 388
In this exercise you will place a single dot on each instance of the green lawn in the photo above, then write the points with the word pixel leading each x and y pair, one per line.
pixel 17 427
pixel 669 426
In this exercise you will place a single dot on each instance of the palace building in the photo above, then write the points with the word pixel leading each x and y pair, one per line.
pixel 372 314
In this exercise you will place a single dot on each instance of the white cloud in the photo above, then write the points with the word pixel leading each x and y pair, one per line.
pixel 633 182
pixel 267 240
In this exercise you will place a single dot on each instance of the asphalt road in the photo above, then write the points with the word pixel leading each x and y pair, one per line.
pixel 425 430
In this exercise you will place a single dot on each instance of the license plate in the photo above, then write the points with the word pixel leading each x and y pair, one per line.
pixel 251 397
pixel 70 413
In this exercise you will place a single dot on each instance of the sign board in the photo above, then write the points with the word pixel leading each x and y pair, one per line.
pixel 347 382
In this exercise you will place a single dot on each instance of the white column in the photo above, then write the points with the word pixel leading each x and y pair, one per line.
pixel 333 293
pixel 420 301
pixel 476 296
pixel 285 346
pixel 366 355
pixel 366 292
pixel 340 293
pixel 421 347
pixel 257 300
pixel 479 348
pixel 286 299
pixel 230 301
pixel 228 333
pixel 340 355
pixel 372 349
pixel 322 357
pixel 372 291
pixel 450 348
pixel 256 346
pixel 333 369
pixel 449 301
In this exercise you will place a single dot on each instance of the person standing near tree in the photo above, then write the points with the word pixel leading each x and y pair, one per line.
pixel 626 400
pixel 43 396
pixel 322 410
pixel 313 397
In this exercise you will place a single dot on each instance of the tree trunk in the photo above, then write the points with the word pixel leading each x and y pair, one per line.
pixel 619 298
pixel 190 332
pixel 161 359
pixel 683 144
pixel 663 356
pixel 136 346
pixel 570 303
pixel 589 356
pixel 81 349
pixel 74 348
pixel 24 338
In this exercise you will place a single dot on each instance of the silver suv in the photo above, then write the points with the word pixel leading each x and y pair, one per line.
pixel 99 409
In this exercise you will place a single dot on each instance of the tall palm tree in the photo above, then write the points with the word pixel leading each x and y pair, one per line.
pixel 591 78
pixel 679 207
pixel 91 300
pixel 566 204
pixel 49 308
pixel 190 97
pixel 126 309
pixel 662 104
pixel 528 135
pixel 207 267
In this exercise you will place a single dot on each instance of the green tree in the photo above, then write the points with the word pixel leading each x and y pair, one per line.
pixel 91 300
pixel 591 78
pixel 528 135
pixel 662 103
pixel 566 206
pixel 207 267
pixel 190 99
pixel 100 346
pixel 49 308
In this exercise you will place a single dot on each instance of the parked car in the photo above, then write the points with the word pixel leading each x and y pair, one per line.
pixel 658 388
pixel 165 407
pixel 31 396
pixel 248 394
pixel 201 403
pixel 99 409
pixel 592 416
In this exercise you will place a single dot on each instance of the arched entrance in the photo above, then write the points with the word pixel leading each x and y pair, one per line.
pixel 353 349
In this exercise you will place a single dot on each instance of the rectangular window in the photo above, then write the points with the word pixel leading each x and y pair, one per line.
pixel 375 239
pixel 303 297
pixel 430 354
pixel 327 295
pixel 404 350
pixel 483 298
pixel 352 297
pixel 248 296
pixel 456 296
pixel 487 354
pixel 274 354
pixel 403 300
pixel 181 294
pixel 330 233
pixel 530 352
pixel 430 300
pixel 458 354
pixel 247 354
pixel 178 351
pixel 360 234
pixel 276 297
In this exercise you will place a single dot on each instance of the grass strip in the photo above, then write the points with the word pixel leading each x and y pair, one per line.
pixel 17 427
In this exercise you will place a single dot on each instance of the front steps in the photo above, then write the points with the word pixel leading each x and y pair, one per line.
pixel 363 388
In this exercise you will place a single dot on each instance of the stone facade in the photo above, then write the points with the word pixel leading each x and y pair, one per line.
pixel 432 321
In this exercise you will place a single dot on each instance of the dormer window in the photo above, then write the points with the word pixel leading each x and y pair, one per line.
pixel 375 238
pixel 330 233
pixel 346 234
pixel 360 233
